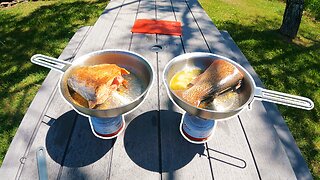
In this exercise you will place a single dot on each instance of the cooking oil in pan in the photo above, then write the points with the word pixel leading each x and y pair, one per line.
pixel 226 101
pixel 123 95
pixel 181 79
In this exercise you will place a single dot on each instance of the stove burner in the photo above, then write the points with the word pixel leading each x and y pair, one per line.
pixel 195 129
pixel 107 128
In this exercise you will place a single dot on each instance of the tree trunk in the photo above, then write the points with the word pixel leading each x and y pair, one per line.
pixel 292 18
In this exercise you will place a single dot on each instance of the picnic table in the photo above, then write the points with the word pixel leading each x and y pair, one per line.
pixel 256 144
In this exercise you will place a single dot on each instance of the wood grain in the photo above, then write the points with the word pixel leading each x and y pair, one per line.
pixel 228 151
pixel 85 152
pixel 179 158
pixel 270 157
pixel 254 145
pixel 274 123
pixel 87 157
pixel 136 153
pixel 101 29
pixel 14 159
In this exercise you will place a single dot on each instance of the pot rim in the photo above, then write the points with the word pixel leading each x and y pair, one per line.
pixel 83 58
pixel 213 56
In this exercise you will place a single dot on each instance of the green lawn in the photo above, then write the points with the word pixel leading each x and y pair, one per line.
pixel 288 67
pixel 26 29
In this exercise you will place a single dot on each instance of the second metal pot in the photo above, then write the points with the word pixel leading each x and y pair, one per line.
pixel 247 92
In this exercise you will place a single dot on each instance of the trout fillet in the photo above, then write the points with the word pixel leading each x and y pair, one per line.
pixel 96 83
pixel 219 77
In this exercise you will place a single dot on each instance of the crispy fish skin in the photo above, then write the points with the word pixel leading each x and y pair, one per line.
pixel 96 83
pixel 217 78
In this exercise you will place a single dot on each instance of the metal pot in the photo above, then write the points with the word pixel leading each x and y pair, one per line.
pixel 131 61
pixel 245 96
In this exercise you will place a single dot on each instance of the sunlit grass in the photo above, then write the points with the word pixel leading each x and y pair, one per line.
pixel 291 67
pixel 26 29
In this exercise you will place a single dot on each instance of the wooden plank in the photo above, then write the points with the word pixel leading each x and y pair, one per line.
pixel 30 164
pixel 212 37
pixel 101 28
pixel 269 154
pixel 84 151
pixel 179 158
pixel 171 47
pixel 58 106
pixel 54 139
pixel 230 158
pixel 70 51
pixel 121 35
pixel 297 162
pixel 87 157
pixel 61 121
pixel 240 58
pixel 257 124
pixel 236 55
pixel 13 161
pixel 91 165
pixel 229 152
pixel 219 43
pixel 60 117
pixel 121 157
pixel 223 154
pixel 119 39
pixel 215 39
pixel 191 35
pixel 136 152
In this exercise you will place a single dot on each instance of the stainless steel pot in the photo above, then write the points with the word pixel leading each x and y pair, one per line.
pixel 126 59
pixel 246 93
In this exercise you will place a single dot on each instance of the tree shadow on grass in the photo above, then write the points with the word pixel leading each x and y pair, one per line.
pixel 46 30
pixel 290 68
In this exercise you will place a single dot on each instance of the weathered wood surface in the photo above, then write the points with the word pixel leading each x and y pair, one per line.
pixel 151 147
pixel 101 29
pixel 136 152
pixel 258 125
pixel 223 155
pixel 85 152
pixel 273 117
pixel 28 129
pixel 179 158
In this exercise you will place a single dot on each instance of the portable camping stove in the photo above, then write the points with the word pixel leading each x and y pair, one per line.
pixel 195 129
pixel 107 128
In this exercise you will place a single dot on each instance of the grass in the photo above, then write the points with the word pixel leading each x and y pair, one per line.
pixel 291 67
pixel 26 29
pixel 313 6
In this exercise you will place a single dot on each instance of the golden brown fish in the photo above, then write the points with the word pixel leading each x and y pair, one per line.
pixel 96 83
pixel 219 77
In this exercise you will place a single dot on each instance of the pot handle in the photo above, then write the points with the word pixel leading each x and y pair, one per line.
pixel 50 62
pixel 283 98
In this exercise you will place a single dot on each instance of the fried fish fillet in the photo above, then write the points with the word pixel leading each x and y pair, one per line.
pixel 96 83
pixel 219 77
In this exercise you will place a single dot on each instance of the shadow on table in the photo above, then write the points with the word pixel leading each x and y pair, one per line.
pixel 142 145
pixel 71 143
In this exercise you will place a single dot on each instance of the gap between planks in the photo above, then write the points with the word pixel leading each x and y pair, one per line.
pixel 51 98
